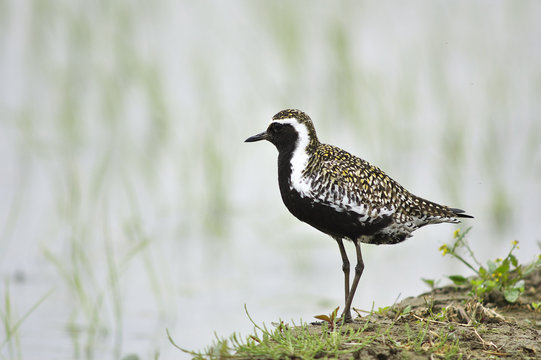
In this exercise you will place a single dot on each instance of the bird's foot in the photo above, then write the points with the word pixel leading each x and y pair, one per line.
pixel 346 318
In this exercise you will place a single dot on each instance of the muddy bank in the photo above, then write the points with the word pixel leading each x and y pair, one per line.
pixel 447 323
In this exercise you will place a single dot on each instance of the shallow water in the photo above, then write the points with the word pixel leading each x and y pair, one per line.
pixel 128 196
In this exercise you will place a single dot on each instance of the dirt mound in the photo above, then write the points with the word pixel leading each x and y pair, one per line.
pixel 447 323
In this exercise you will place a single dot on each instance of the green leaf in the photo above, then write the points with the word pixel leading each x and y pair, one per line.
pixel 519 285
pixel 532 266
pixel 458 279
pixel 511 295
pixel 513 259
pixel 383 310
pixel 429 282
pixel 490 284
pixel 406 310
pixel 504 267
pixel 482 271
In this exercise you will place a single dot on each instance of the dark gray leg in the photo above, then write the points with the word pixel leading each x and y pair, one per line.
pixel 346 315
pixel 345 267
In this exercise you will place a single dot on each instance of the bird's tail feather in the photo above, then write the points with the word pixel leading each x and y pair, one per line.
pixel 460 213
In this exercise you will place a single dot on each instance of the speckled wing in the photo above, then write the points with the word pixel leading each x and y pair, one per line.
pixel 347 183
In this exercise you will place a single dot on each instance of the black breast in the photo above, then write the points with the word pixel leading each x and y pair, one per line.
pixel 322 216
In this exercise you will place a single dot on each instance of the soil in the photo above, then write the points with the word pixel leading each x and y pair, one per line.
pixel 468 329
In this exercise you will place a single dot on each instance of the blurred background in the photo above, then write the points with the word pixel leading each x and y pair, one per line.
pixel 129 203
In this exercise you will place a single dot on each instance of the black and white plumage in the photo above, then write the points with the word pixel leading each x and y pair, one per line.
pixel 343 195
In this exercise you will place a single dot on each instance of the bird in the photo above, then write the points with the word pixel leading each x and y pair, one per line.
pixel 343 195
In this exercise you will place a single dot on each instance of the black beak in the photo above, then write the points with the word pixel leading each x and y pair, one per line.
pixel 258 137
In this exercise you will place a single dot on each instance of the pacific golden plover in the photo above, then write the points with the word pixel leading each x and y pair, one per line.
pixel 343 195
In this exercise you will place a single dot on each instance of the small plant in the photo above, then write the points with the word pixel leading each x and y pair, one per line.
pixel 440 316
pixel 330 319
pixel 431 283
pixel 504 275
pixel 384 310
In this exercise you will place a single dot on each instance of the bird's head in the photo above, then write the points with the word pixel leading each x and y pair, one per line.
pixel 289 130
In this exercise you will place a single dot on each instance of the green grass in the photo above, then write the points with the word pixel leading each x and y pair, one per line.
pixel 377 332
pixel 289 341
pixel 11 324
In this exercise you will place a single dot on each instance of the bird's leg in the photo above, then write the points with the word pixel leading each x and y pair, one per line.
pixel 345 267
pixel 346 315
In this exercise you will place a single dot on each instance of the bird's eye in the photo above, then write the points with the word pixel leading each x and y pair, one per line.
pixel 275 127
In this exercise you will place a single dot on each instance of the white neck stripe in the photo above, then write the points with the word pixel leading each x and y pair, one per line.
pixel 299 158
